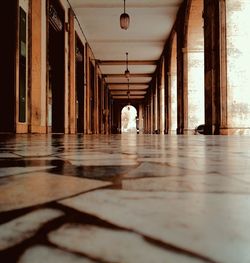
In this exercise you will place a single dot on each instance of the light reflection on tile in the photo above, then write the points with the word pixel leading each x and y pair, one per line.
pixel 113 245
pixel 213 225
pixel 18 170
pixel 37 188
pixel 8 155
pixel 78 156
pixel 43 254
pixel 104 162
pixel 24 227
pixel 212 183
pixel 32 152
pixel 152 169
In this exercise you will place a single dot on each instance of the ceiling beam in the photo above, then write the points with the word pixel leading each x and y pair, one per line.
pixel 126 97
pixel 123 62
pixel 134 75
pixel 126 84
pixel 126 88
pixel 124 92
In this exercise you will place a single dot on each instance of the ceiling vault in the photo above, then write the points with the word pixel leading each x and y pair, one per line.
pixel 144 40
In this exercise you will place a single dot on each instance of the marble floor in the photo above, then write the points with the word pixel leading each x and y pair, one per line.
pixel 124 198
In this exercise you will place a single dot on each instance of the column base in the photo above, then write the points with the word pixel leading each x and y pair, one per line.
pixel 38 129
pixel 235 131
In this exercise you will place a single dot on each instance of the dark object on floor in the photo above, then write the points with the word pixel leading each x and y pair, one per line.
pixel 200 129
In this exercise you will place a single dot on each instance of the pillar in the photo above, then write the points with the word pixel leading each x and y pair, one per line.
pixel 162 98
pixel 37 82
pixel 140 119
pixel 151 111
pixel 215 77
pixel 155 128
pixel 72 88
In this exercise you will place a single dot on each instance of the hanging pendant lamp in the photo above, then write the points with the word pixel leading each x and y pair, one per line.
pixel 124 19
pixel 127 72
pixel 128 93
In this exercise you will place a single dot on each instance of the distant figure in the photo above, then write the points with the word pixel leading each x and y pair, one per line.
pixel 200 129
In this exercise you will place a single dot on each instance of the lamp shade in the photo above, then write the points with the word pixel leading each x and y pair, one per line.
pixel 127 73
pixel 124 21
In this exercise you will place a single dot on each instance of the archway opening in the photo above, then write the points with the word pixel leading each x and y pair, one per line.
pixel 172 79
pixel 195 66
pixel 128 119
pixel 238 67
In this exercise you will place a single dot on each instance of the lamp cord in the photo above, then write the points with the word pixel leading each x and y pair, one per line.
pixel 127 60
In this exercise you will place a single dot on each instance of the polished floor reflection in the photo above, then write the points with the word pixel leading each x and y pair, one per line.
pixel 124 198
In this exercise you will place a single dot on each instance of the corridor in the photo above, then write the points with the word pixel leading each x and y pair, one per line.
pixel 124 198
pixel 124 131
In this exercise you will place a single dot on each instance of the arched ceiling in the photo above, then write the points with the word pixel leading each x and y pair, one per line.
pixel 151 22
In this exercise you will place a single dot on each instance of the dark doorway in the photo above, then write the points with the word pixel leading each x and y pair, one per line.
pixel 8 44
pixel 79 85
pixel 92 96
pixel 100 96
pixel 56 68
pixel 22 65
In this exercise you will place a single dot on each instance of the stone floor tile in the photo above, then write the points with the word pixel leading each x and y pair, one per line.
pixel 191 192
pixel 215 226
pixel 81 156
pixel 19 170
pixel 104 162
pixel 8 155
pixel 212 183
pixel 43 254
pixel 113 245
pixel 32 152
pixel 24 227
pixel 37 188
pixel 148 169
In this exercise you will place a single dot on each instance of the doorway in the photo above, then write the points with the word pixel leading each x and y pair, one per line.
pixel 92 97
pixel 128 119
pixel 8 45
pixel 56 67
pixel 79 80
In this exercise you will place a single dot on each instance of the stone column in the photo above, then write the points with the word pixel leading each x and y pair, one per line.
pixel 72 88
pixel 151 111
pixel 215 81
pixel 181 86
pixel 36 84
pixel 155 107
pixel 140 119
pixel 162 98
pixel 87 129
pixel 96 97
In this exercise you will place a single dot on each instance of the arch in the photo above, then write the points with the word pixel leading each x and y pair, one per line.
pixel 195 66
pixel 128 119
pixel 238 67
